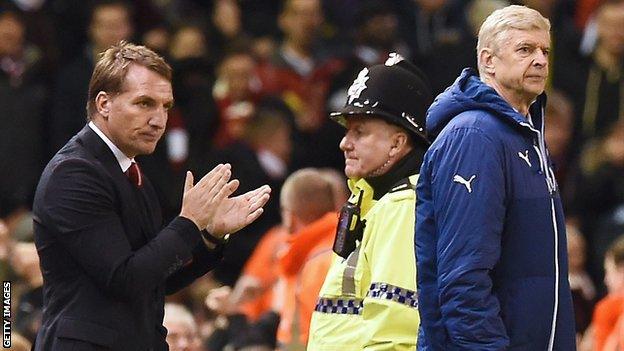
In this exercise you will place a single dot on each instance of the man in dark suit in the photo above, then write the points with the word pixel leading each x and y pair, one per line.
pixel 106 260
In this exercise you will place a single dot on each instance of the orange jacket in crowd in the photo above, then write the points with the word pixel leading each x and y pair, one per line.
pixel 262 265
pixel 302 273
pixel 606 316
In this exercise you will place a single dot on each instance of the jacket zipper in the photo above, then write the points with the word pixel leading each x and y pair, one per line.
pixel 551 184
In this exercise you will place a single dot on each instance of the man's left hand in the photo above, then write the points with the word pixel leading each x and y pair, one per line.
pixel 233 214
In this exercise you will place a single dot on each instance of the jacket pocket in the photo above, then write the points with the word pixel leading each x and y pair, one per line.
pixel 86 331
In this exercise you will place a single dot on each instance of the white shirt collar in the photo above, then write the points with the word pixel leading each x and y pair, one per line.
pixel 124 161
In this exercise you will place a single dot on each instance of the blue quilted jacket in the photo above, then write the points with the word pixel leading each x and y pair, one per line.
pixel 490 236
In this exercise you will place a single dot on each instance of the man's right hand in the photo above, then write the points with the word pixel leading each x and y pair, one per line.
pixel 201 201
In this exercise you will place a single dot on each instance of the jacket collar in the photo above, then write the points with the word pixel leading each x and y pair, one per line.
pixel 470 93
pixel 408 165
pixel 98 148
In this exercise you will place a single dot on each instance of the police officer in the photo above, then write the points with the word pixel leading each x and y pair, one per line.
pixel 368 300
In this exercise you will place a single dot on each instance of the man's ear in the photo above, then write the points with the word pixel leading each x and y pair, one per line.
pixel 486 59
pixel 399 142
pixel 102 104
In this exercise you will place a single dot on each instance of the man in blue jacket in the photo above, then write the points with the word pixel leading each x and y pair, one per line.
pixel 490 235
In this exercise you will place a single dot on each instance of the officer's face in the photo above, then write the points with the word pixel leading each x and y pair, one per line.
pixel 367 145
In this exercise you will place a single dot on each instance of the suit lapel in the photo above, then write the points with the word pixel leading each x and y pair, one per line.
pixel 135 204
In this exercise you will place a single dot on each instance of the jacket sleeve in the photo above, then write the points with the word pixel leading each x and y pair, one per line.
pixel 390 311
pixel 468 192
pixel 203 261
pixel 79 207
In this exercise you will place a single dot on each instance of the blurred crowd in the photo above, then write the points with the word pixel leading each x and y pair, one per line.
pixel 253 82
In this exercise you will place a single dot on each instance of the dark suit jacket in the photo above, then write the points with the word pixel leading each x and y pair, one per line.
pixel 107 263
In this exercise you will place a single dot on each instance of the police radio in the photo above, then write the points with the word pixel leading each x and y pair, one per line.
pixel 350 228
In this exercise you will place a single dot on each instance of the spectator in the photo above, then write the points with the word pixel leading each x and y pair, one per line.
pixel 558 134
pixel 25 262
pixel 610 308
pixel 23 99
pixel 262 156
pixel 597 87
pixel 376 35
pixel 615 341
pixel 308 213
pixel 110 22
pixel 253 292
pixel 581 285
pixel 234 331
pixel 430 23
pixel 20 343
pixel 182 332
pixel 300 73
pixel 338 183
pixel 237 92
pixel 598 203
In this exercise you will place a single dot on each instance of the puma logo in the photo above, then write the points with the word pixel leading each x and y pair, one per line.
pixel 467 183
pixel 525 157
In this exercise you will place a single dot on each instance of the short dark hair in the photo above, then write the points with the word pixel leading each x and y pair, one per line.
pixel 616 251
pixel 112 66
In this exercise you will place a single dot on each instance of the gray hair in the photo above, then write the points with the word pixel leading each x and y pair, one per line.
pixel 177 313
pixel 494 29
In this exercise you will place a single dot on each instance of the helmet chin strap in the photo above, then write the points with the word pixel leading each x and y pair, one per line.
pixel 381 170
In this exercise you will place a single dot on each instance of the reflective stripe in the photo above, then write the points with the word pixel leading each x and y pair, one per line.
pixel 553 329
pixel 394 293
pixel 348 276
pixel 339 306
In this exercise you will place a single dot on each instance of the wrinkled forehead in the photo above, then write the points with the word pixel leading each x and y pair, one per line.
pixel 537 37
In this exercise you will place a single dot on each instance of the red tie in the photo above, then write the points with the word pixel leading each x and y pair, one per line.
pixel 134 174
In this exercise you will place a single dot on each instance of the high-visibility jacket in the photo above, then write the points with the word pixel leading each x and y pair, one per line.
pixel 369 300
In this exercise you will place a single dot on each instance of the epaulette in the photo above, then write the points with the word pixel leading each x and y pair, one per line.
pixel 401 185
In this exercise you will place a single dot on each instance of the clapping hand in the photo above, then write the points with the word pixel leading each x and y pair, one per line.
pixel 209 206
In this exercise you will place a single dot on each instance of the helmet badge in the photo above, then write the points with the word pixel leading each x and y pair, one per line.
pixel 359 84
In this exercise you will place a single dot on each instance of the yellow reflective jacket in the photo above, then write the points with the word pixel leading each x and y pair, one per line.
pixel 369 300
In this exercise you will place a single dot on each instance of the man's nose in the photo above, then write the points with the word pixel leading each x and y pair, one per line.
pixel 159 119
pixel 541 58
pixel 345 144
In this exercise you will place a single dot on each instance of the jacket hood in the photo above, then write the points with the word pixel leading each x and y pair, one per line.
pixel 468 92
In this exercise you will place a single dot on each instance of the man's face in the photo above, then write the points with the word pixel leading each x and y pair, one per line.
pixel 611 36
pixel 521 63
pixel 238 71
pixel 135 119
pixel 366 145
pixel 181 337
pixel 109 25
pixel 614 277
pixel 381 30
pixel 11 35
pixel 302 20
